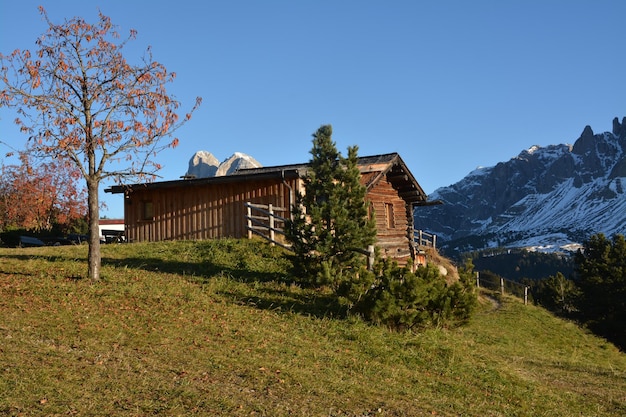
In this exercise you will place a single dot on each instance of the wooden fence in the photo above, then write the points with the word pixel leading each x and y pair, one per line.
pixel 421 238
pixel 503 285
pixel 263 221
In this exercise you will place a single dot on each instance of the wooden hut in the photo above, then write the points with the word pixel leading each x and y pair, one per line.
pixel 214 207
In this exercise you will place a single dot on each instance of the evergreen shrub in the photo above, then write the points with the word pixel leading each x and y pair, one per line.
pixel 404 300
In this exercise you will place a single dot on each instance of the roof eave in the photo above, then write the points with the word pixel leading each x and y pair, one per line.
pixel 193 182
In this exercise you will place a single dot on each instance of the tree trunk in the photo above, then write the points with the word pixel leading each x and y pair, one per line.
pixel 94 257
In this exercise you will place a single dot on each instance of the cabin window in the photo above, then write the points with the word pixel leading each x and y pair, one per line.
pixel 391 221
pixel 147 211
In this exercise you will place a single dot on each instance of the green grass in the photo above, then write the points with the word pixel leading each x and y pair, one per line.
pixel 218 328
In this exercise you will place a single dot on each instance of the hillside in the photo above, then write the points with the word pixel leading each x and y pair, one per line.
pixel 548 198
pixel 216 328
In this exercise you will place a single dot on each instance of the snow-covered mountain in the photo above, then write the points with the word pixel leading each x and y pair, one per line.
pixel 203 164
pixel 547 197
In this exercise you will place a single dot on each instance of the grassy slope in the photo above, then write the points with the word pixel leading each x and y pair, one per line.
pixel 214 328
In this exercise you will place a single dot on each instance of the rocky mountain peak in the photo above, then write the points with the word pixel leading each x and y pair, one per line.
pixel 619 130
pixel 236 162
pixel 555 195
pixel 587 132
pixel 204 165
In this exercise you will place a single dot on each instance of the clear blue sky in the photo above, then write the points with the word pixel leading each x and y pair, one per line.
pixel 450 85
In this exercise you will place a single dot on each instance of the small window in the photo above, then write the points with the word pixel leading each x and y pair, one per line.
pixel 391 221
pixel 148 210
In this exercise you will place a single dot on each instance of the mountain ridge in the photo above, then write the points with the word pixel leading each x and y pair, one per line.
pixel 204 164
pixel 551 197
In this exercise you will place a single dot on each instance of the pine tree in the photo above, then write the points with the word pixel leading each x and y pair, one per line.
pixel 331 225
pixel 556 293
pixel 602 282
pixel 403 299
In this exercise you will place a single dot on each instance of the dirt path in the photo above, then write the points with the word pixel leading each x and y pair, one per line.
pixel 495 304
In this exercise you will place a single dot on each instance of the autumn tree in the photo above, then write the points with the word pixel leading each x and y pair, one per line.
pixel 79 100
pixel 40 196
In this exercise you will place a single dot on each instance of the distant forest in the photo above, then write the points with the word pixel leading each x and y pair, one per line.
pixel 516 265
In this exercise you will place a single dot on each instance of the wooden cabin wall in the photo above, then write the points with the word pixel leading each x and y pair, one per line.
pixel 392 233
pixel 198 212
pixel 210 211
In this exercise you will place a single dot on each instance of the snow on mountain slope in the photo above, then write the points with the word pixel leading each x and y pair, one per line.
pixel 546 196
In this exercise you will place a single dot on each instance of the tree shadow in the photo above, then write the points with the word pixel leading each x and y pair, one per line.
pixel 16 273
pixel 287 298
pixel 47 258
pixel 199 272
pixel 51 258
pixel 306 302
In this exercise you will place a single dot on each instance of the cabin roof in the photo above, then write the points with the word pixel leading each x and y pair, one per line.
pixel 372 168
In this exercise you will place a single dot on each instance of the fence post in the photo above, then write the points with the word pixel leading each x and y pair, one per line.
pixel 249 211
pixel 477 279
pixel 502 286
pixel 434 241
pixel 525 295
pixel 271 216
pixel 420 239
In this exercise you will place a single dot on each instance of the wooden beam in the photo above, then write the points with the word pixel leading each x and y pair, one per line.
pixel 428 203
pixel 393 176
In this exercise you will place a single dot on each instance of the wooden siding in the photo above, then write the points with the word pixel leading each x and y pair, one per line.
pixel 203 211
pixel 212 211
pixel 393 241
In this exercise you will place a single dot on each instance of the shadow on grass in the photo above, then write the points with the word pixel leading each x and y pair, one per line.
pixel 275 291
pixel 306 302
pixel 15 273
pixel 49 258
pixel 199 272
